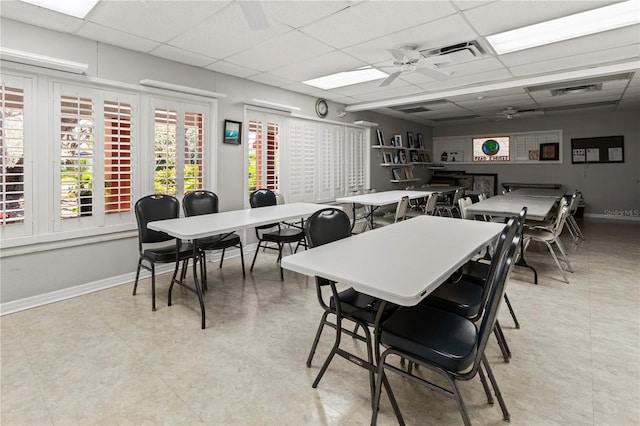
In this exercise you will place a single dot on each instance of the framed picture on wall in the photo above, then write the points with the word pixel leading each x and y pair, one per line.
pixel 420 141
pixel 485 182
pixel 549 151
pixel 380 137
pixel 232 132
pixel 397 139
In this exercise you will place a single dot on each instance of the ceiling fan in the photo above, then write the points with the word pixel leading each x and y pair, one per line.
pixel 510 112
pixel 407 59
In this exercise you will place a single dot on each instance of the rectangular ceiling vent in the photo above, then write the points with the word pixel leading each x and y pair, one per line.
pixel 561 85
pixel 457 52
pixel 584 88
pixel 411 109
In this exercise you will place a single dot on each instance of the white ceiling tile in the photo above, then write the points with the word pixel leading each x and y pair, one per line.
pixel 155 20
pixel 269 79
pixel 231 69
pixel 38 16
pixel 577 61
pixel 296 14
pixel 318 66
pixel 473 79
pixel 271 55
pixel 117 38
pixel 374 19
pixel 225 34
pixel 183 56
pixel 384 93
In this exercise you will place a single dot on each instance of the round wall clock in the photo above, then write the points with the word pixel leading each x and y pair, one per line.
pixel 322 109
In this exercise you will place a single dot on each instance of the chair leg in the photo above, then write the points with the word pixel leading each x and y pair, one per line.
pixel 203 270
pixel 280 246
pixel 334 349
pixel 555 258
pixel 135 284
pixel 317 338
pixel 513 314
pixel 496 389
pixel 222 256
pixel 382 380
pixel 153 286
pixel 255 255
pixel 573 221
pixel 501 345
pixel 485 385
pixel 242 260
pixel 505 344
pixel 458 398
pixel 563 252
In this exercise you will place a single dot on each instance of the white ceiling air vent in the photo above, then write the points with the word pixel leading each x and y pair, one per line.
pixel 460 52
pixel 594 87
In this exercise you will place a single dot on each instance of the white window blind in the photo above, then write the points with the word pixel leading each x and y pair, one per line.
pixel 12 155
pixel 117 157
pixel 76 140
pixel 165 129
pixel 301 149
pixel 356 159
pixel 263 146
pixel 331 164
pixel 193 151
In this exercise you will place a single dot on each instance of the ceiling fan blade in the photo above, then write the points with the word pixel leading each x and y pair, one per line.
pixel 434 74
pixel 398 54
pixel 387 81
pixel 254 15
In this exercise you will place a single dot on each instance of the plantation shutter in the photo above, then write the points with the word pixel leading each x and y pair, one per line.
pixel 301 150
pixel 11 155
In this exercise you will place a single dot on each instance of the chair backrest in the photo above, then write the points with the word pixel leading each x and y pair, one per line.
pixel 560 220
pixel 401 209
pixel 151 208
pixel 457 195
pixel 497 281
pixel 430 206
pixel 463 204
pixel 575 201
pixel 263 198
pixel 327 225
pixel 482 196
pixel 200 202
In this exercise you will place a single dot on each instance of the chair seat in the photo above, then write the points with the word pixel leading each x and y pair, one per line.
pixel 539 234
pixel 360 306
pixel 216 243
pixel 285 235
pixel 168 253
pixel 433 335
pixel 476 272
pixel 462 298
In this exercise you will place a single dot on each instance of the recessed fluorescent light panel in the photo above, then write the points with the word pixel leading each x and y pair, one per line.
pixel 581 24
pixel 347 78
pixel 77 8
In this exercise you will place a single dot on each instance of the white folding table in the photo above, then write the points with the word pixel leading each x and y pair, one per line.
pixel 537 192
pixel 400 263
pixel 195 227
pixel 383 198
pixel 538 208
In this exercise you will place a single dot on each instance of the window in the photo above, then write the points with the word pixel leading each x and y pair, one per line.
pixel 175 174
pixel 318 160
pixel 94 134
pixel 263 153
pixel 11 155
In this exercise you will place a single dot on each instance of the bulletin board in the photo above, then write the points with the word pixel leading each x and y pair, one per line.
pixel 605 149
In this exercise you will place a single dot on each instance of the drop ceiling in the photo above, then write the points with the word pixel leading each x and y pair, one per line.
pixel 309 39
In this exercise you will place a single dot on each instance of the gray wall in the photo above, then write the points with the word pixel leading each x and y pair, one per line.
pixel 35 272
pixel 606 187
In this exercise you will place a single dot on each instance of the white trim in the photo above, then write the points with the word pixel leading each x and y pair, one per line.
pixel 179 88
pixel 79 290
pixel 28 58
pixel 612 217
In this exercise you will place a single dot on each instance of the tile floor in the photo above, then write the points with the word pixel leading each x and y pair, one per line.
pixel 107 359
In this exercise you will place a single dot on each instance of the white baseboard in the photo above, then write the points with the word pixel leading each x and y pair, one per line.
pixel 75 291
pixel 611 217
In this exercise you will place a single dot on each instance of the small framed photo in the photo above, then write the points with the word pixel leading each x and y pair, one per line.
pixel 386 158
pixel 420 141
pixel 397 174
pixel 414 157
pixel 380 137
pixel 397 140
pixel 403 157
pixel 549 151
pixel 410 141
pixel 232 132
